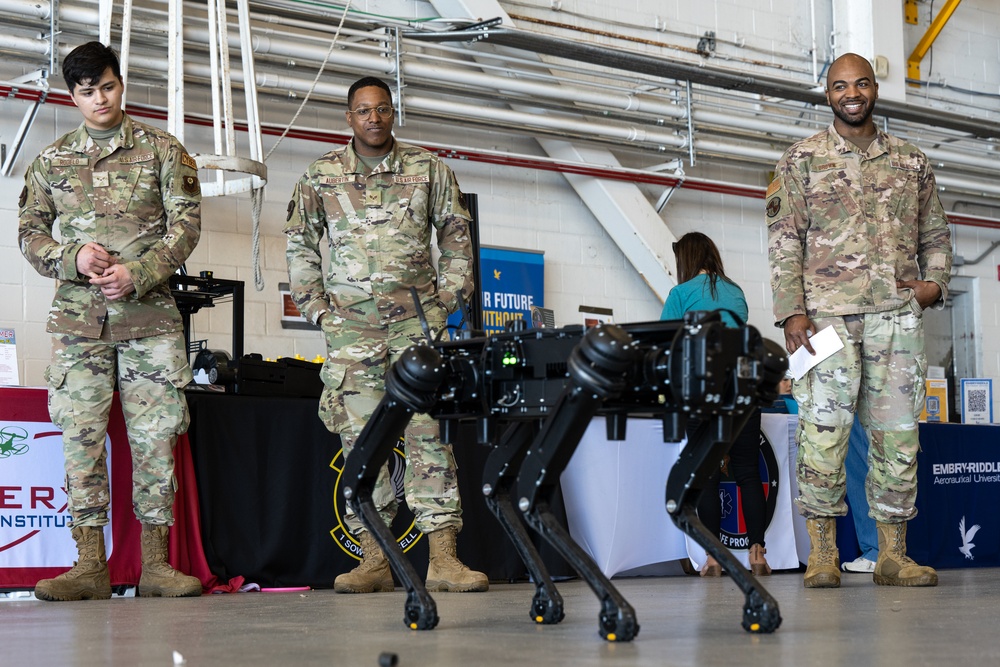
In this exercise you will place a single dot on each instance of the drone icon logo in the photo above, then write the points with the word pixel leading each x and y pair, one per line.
pixel 13 441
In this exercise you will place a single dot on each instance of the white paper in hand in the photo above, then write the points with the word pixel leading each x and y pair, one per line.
pixel 824 342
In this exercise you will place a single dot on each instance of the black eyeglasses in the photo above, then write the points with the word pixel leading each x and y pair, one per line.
pixel 364 112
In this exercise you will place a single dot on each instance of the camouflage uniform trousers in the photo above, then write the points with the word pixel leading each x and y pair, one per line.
pixel 359 355
pixel 81 382
pixel 880 373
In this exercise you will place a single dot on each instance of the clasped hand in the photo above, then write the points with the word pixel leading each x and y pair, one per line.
pixel 104 270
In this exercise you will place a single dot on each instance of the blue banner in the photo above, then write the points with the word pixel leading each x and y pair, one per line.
pixel 958 474
pixel 513 282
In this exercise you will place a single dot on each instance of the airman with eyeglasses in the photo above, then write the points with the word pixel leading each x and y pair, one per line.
pixel 381 201
pixel 365 112
pixel 371 116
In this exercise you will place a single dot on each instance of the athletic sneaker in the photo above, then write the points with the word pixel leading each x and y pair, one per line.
pixel 859 564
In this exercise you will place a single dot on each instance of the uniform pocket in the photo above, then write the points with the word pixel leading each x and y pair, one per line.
pixel 917 309
pixel 174 416
pixel 180 377
pixel 334 367
pixel 60 404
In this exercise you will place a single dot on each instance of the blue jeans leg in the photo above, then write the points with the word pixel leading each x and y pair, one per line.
pixel 856 464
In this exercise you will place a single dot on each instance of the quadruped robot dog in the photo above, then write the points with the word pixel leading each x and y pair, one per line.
pixel 532 393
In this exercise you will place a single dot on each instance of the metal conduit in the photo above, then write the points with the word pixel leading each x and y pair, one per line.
pixel 288 47
pixel 505 159
pixel 292 49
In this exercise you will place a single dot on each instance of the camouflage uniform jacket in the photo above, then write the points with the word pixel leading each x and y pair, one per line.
pixel 845 225
pixel 379 229
pixel 139 198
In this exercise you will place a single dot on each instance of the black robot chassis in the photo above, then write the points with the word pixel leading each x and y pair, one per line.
pixel 532 394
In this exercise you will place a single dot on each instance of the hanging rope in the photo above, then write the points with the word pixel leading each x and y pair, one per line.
pixel 257 201
pixel 257 195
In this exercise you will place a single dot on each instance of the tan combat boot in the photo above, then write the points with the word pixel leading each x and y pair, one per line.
pixel 158 579
pixel 894 567
pixel 372 575
pixel 88 580
pixel 445 572
pixel 823 568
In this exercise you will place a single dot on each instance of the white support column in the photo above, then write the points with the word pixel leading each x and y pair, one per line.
pixel 175 69
pixel 873 29
pixel 105 9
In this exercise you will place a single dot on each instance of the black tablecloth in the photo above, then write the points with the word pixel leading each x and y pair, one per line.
pixel 266 488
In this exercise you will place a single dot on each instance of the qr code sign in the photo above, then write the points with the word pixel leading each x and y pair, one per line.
pixel 977 400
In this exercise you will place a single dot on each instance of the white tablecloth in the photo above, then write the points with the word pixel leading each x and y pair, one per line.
pixel 615 495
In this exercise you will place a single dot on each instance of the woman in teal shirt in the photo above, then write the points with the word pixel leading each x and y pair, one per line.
pixel 703 285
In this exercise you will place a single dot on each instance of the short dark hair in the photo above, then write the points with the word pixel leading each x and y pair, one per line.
pixel 86 64
pixel 366 82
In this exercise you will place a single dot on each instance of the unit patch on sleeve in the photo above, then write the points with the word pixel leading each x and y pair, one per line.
pixel 190 185
pixel 773 206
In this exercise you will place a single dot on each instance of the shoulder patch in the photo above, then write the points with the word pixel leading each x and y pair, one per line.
pixel 23 198
pixel 773 206
pixel 291 209
pixel 773 187
pixel 190 185
pixel 188 161
pixel 411 179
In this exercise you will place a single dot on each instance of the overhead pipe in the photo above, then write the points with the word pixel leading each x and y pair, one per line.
pixel 600 131
pixel 620 59
pixel 631 135
pixel 296 48
pixel 291 49
pixel 489 157
pixel 614 134
pixel 24 44
pixel 605 56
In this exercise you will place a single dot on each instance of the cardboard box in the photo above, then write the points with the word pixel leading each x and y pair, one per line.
pixel 936 401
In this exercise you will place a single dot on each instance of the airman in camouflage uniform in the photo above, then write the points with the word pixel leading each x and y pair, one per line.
pixel 377 200
pixel 128 205
pixel 858 241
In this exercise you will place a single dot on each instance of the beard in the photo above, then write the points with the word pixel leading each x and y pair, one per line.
pixel 854 121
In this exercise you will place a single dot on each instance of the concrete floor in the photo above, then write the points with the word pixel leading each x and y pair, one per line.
pixel 684 621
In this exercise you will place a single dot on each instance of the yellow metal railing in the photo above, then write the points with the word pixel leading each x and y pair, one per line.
pixel 913 62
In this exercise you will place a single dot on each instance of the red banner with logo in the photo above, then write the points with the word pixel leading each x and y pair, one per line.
pixel 35 540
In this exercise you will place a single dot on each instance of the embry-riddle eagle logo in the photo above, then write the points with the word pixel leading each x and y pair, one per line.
pixel 967 544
